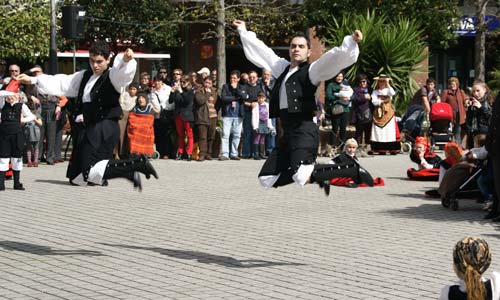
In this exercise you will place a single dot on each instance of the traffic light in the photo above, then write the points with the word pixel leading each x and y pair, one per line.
pixel 72 22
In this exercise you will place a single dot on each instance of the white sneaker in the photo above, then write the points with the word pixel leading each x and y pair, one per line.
pixel 488 205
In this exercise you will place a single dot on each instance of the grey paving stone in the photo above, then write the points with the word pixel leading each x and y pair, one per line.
pixel 209 231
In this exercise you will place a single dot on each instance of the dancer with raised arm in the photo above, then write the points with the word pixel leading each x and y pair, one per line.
pixel 293 102
pixel 97 107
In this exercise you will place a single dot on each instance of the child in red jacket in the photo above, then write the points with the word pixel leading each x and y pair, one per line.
pixel 427 161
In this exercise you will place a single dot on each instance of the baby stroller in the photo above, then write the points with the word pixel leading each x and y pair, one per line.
pixel 441 117
pixel 411 126
pixel 459 182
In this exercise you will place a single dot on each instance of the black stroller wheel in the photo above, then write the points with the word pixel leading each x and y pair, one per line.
pixel 445 202
pixel 453 201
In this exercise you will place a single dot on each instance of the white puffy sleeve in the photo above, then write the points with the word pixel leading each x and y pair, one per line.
pixel 60 84
pixel 122 73
pixel 334 61
pixel 260 54
pixel 375 100
pixel 391 93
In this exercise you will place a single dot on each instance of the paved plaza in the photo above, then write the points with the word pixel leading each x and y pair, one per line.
pixel 208 231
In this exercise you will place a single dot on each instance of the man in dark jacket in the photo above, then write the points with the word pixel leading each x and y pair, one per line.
pixel 253 88
pixel 233 96
pixel 50 111
pixel 493 147
pixel 293 101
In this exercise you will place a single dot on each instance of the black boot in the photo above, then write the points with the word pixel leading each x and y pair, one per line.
pixel 322 174
pixel 140 164
pixel 325 185
pixel 17 184
pixel 262 149
pixel 127 168
pixel 113 171
pixel 256 152
pixel 143 165
pixel 2 180
pixel 365 177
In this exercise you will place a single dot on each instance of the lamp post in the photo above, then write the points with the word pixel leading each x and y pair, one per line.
pixel 53 48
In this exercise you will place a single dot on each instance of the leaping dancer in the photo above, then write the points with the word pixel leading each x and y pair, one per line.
pixel 293 102
pixel 97 111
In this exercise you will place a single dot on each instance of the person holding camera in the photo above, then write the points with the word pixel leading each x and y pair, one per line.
pixel 479 110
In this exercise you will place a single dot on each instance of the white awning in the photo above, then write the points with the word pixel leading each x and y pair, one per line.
pixel 136 55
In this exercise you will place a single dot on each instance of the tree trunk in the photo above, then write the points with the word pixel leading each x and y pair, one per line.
pixel 480 40
pixel 221 45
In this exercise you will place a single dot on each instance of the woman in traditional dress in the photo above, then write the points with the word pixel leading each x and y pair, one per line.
pixel 385 132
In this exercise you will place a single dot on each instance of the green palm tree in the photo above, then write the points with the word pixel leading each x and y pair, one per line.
pixel 392 47
pixel 494 82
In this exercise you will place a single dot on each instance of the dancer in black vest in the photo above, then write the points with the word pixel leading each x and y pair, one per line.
pixel 294 103
pixel 97 107
pixel 13 113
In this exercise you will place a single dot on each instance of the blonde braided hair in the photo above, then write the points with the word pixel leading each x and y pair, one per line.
pixel 471 258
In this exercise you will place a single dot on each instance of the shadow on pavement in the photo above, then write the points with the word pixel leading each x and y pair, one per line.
pixel 412 195
pixel 404 178
pixel 52 181
pixel 43 250
pixel 496 236
pixel 436 212
pixel 207 258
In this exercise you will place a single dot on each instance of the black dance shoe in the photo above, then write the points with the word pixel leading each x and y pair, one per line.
pixel 325 185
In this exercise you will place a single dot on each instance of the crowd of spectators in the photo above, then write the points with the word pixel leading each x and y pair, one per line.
pixel 193 121
pixel 181 117
pixel 184 116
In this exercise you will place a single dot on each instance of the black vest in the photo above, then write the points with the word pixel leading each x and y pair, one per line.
pixel 11 118
pixel 300 93
pixel 455 294
pixel 104 102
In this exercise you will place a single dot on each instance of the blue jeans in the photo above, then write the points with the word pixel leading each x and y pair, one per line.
pixel 271 139
pixel 230 126
pixel 247 150
pixel 485 181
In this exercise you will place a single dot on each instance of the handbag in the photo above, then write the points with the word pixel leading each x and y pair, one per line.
pixel 337 109
pixel 364 116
